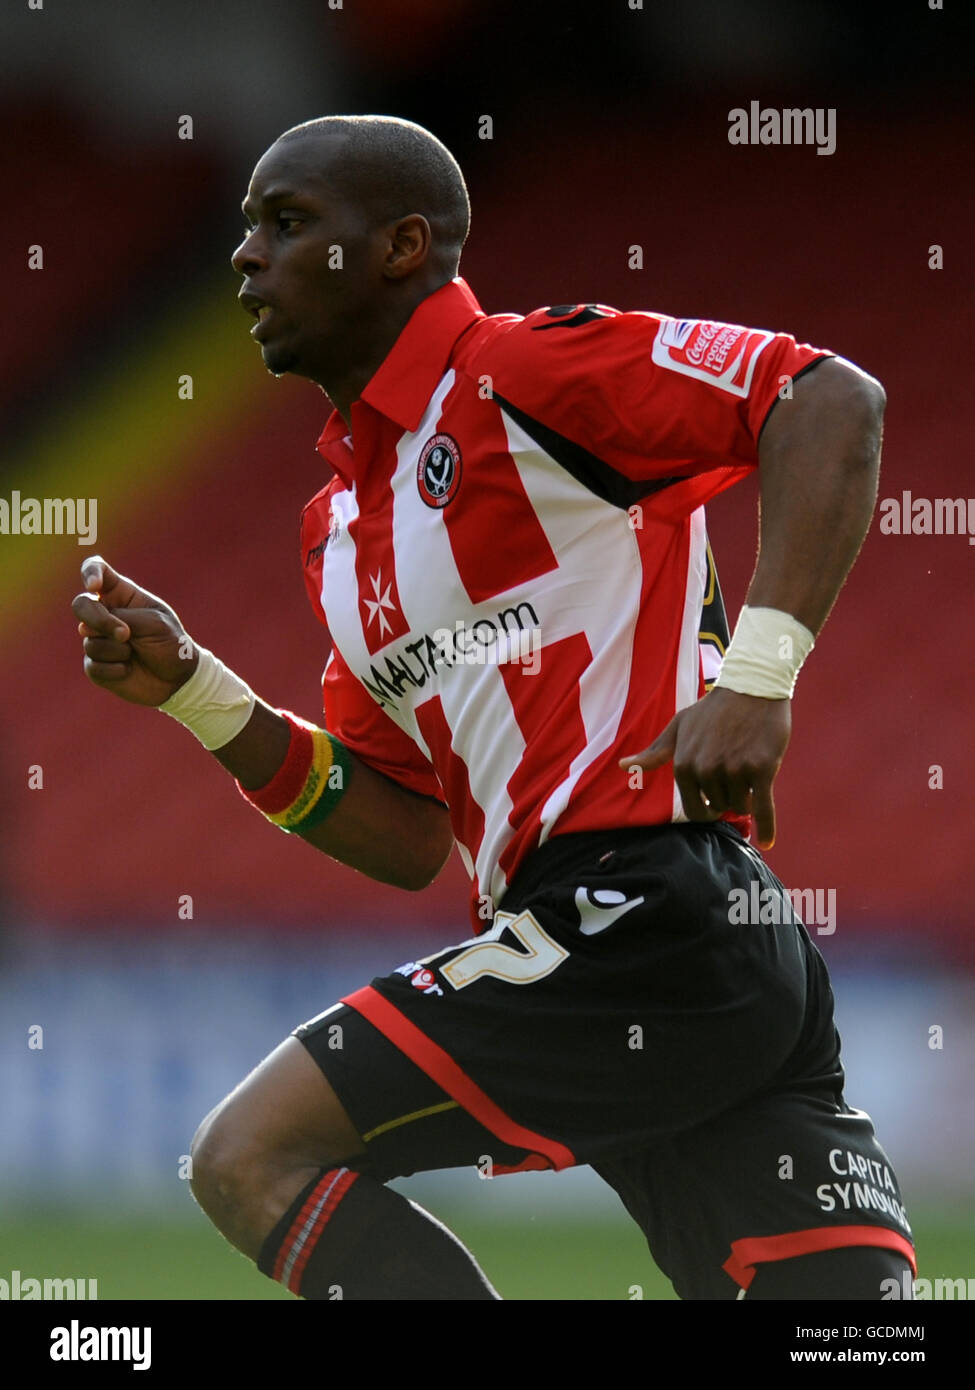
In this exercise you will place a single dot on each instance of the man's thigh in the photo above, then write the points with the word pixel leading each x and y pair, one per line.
pixel 407 1123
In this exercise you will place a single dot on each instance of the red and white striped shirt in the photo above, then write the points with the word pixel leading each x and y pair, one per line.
pixel 512 561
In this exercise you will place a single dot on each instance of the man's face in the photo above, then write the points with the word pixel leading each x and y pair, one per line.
pixel 311 264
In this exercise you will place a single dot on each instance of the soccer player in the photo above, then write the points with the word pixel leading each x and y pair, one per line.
pixel 512 563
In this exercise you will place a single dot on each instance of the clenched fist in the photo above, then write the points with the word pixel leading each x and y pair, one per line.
pixel 135 645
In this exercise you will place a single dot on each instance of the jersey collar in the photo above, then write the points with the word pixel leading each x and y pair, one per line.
pixel 402 386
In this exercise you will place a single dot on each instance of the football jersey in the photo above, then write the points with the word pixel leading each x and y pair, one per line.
pixel 512 560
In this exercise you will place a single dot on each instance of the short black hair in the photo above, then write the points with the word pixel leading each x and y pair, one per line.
pixel 392 167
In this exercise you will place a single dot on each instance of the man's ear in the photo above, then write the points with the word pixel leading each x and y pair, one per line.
pixel 408 246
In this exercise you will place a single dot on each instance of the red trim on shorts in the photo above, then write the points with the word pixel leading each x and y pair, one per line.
pixel 439 1065
pixel 532 1164
pixel 755 1250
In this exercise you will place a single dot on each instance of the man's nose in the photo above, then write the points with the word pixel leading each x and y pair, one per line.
pixel 250 255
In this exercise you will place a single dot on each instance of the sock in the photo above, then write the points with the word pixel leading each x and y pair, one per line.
pixel 347 1236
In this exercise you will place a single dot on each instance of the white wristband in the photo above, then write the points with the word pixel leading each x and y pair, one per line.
pixel 765 655
pixel 214 704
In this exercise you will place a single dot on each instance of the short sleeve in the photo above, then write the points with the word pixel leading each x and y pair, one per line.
pixel 678 404
pixel 354 717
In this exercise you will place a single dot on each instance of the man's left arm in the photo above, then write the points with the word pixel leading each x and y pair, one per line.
pixel 819 459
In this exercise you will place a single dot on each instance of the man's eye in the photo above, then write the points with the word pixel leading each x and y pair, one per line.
pixel 288 220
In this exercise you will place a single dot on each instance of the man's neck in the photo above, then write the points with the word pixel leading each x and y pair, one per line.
pixel 343 393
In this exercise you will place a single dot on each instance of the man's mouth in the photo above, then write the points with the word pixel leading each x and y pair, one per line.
pixel 263 314
pixel 258 308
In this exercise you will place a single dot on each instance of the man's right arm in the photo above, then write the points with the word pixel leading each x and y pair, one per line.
pixel 136 647
pixel 378 827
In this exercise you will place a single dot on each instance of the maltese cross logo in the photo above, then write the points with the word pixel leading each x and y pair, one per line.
pixel 380 601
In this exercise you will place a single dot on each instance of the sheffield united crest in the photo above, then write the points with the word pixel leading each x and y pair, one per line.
pixel 438 470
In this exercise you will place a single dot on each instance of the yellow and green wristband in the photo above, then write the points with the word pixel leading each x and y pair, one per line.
pixel 310 782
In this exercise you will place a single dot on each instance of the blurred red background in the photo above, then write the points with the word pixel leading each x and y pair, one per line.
pixel 137 231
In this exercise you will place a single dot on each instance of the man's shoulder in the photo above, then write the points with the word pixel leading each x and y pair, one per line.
pixel 561 353
pixel 559 337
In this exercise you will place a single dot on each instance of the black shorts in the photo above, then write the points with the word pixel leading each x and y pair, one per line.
pixel 620 1014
